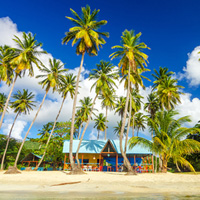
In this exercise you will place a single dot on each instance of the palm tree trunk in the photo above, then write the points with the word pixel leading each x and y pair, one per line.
pixel 133 134
pixel 8 140
pixel 164 166
pixel 106 123
pixel 137 132
pixel 129 122
pixel 126 161
pixel 177 167
pixel 73 115
pixel 50 134
pixel 20 149
pixel 98 135
pixel 156 163
pixel 7 101
pixel 81 139
pixel 160 164
pixel 153 155
pixel 79 134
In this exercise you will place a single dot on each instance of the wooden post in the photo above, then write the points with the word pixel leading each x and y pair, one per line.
pixel 142 165
pixel 134 163
pixel 146 163
pixel 99 162
pixel 152 163
pixel 82 160
pixel 116 162
pixel 36 163
pixel 64 161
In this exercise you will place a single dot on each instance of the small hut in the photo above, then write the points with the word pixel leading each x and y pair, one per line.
pixel 31 159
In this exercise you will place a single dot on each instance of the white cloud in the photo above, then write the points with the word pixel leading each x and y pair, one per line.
pixel 192 69
pixel 189 106
pixel 17 129
pixel 8 30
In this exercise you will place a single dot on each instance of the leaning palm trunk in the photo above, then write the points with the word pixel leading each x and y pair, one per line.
pixel 133 134
pixel 153 155
pixel 129 122
pixel 160 164
pixel 8 140
pixel 20 149
pixel 7 101
pixel 81 139
pixel 156 163
pixel 126 161
pixel 106 123
pixel 79 134
pixel 73 115
pixel 177 167
pixel 98 135
pixel 51 134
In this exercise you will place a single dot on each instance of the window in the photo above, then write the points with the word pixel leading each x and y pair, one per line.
pixel 85 161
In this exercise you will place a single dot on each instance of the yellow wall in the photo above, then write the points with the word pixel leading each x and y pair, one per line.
pixel 92 157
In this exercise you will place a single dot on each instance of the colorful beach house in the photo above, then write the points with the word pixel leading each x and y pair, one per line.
pixel 105 155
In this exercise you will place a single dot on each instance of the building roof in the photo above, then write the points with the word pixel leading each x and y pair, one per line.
pixel 96 146
pixel 30 157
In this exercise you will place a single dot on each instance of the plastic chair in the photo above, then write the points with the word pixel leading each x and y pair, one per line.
pixel 49 169
pixel 89 168
pixel 85 168
pixel 23 168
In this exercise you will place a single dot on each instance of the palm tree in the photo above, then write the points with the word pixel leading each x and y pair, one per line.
pixel 152 106
pixel 78 121
pixel 136 80
pixel 3 98
pixel 104 76
pixel 140 121
pixel 85 108
pixel 67 86
pixel 108 102
pixel 20 60
pixel 23 104
pixel 6 71
pixel 45 131
pixel 120 107
pixel 108 97
pixel 136 106
pixel 168 93
pixel 169 140
pixel 52 79
pixel 84 111
pixel 100 123
pixel 160 75
pixel 89 39
pixel 131 56
pixel 117 129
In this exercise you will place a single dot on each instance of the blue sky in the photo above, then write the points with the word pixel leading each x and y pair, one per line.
pixel 170 28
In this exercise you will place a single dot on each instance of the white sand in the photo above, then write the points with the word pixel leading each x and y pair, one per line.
pixel 100 183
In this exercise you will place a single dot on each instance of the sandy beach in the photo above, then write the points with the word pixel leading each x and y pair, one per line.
pixel 99 183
